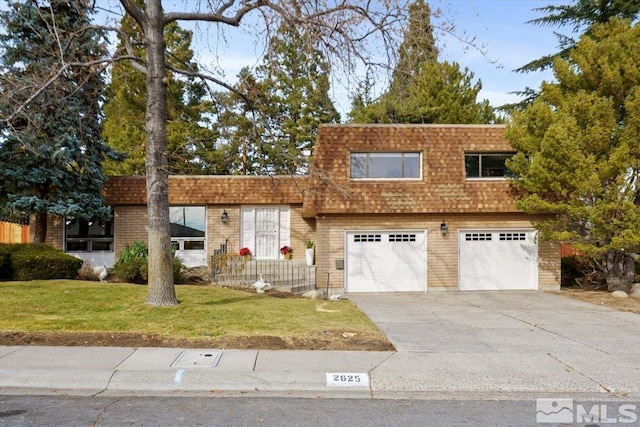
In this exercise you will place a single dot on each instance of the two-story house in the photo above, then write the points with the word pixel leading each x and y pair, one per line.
pixel 390 208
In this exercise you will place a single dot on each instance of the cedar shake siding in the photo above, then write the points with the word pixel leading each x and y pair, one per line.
pixel 210 190
pixel 442 188
pixel 328 206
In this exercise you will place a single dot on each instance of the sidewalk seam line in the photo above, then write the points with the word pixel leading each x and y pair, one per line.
pixel 556 358
pixel 113 372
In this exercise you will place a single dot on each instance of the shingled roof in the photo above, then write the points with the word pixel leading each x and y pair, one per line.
pixel 198 190
pixel 329 189
pixel 443 187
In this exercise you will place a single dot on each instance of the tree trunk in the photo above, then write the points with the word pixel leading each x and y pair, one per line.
pixel 40 228
pixel 620 270
pixel 161 291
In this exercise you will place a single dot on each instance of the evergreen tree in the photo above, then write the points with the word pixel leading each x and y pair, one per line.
pixel 50 146
pixel 578 154
pixel 344 29
pixel 191 145
pixel 440 93
pixel 417 50
pixel 272 128
pixel 240 124
pixel 581 15
pixel 422 89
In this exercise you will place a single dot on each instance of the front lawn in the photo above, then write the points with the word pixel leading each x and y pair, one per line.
pixel 67 312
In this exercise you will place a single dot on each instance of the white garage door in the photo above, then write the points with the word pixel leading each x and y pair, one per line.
pixel 386 261
pixel 498 260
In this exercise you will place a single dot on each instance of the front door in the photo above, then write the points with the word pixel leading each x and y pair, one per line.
pixel 264 230
pixel 267 225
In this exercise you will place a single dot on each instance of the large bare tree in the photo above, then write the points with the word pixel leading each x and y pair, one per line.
pixel 350 32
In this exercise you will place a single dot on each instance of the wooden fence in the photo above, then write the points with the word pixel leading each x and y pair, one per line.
pixel 566 249
pixel 13 233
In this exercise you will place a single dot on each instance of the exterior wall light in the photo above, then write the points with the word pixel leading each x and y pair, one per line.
pixel 224 217
pixel 444 229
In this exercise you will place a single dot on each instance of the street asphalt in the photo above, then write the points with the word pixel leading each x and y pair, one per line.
pixel 480 345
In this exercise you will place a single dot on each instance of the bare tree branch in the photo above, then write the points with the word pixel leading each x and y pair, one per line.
pixel 218 15
pixel 136 13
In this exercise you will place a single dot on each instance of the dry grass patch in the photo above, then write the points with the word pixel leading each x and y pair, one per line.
pixel 602 297
pixel 64 312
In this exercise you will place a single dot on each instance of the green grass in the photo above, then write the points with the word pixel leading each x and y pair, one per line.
pixel 203 312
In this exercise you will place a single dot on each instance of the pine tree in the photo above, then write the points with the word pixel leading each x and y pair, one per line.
pixel 52 87
pixel 240 125
pixel 191 145
pixel 417 50
pixel 578 154
pixel 273 126
pixel 422 89
pixel 581 15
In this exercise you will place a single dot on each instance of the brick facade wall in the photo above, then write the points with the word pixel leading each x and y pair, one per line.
pixel 55 232
pixel 302 229
pixel 442 252
pixel 129 225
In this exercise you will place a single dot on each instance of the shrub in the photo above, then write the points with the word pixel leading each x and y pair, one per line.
pixel 132 265
pixel 579 271
pixel 6 270
pixel 132 270
pixel 135 250
pixel 34 261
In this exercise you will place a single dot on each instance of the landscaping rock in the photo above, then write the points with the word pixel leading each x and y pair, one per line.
pixel 619 294
pixel 635 289
pixel 314 294
pixel 197 276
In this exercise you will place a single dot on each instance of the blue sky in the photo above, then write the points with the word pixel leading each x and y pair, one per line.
pixel 499 26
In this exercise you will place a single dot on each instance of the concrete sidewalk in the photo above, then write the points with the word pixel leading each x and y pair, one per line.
pixel 485 345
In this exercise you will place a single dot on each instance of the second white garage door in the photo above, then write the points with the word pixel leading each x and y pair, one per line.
pixel 386 261
pixel 498 260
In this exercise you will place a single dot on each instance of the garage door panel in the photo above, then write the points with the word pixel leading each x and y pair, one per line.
pixel 498 260
pixel 386 261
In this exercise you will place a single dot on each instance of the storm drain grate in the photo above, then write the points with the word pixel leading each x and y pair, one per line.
pixel 197 359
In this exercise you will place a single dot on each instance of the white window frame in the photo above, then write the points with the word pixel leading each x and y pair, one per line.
pixel 368 155
pixel 181 240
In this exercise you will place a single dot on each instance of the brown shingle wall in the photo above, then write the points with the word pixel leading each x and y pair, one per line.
pixel 442 252
pixel 207 190
pixel 443 187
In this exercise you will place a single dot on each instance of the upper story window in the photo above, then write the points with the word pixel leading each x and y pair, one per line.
pixel 487 165
pixel 386 165
pixel 188 225
pixel 83 235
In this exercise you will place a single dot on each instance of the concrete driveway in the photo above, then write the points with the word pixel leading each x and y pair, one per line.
pixel 511 341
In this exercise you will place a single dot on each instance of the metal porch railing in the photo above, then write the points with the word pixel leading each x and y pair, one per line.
pixel 285 275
